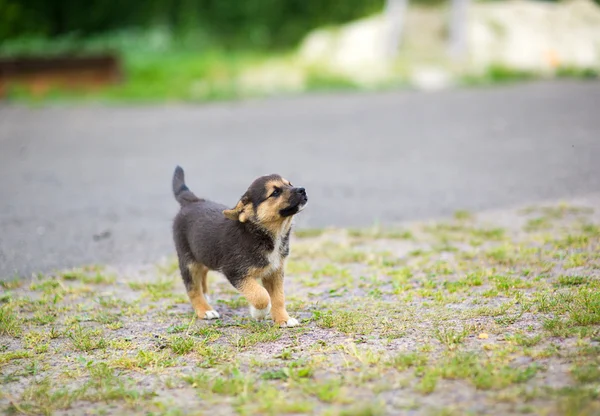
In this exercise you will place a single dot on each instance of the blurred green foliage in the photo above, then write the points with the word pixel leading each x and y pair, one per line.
pixel 259 24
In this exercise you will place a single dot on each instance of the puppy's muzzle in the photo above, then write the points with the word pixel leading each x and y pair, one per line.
pixel 297 201
pixel 302 194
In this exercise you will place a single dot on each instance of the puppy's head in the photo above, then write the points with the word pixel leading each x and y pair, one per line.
pixel 269 200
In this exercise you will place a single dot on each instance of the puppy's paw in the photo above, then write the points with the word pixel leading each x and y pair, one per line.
pixel 211 314
pixel 260 314
pixel 290 323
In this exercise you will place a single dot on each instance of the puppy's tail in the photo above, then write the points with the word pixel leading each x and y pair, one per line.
pixel 181 192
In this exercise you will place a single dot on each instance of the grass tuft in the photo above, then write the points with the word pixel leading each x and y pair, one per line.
pixel 85 339
pixel 450 337
pixel 10 324
pixel 181 345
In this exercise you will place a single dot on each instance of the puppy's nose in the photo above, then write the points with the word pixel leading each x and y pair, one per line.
pixel 301 191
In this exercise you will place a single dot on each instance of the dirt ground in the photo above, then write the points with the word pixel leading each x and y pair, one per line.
pixel 488 313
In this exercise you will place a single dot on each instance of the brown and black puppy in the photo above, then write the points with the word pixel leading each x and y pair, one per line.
pixel 248 243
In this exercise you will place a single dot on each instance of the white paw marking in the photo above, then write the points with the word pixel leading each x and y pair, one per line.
pixel 259 314
pixel 290 323
pixel 211 315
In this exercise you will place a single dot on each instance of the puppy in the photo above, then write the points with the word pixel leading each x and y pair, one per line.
pixel 248 244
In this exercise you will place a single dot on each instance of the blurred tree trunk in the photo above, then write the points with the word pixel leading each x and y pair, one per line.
pixel 458 28
pixel 395 11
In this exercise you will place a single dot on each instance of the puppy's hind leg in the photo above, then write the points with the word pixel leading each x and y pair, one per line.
pixel 193 276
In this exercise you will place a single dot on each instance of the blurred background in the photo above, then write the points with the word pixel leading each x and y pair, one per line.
pixel 202 50
pixel 385 110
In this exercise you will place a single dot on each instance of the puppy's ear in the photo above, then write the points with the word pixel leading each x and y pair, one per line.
pixel 238 213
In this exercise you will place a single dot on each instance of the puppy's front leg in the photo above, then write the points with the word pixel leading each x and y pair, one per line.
pixel 274 285
pixel 257 296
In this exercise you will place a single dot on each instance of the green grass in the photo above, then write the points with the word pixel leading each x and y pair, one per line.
pixel 450 337
pixel 381 316
pixel 257 333
pixel 6 357
pixel 143 360
pixel 95 278
pixel 85 339
pixel 571 280
pixel 44 397
pixel 483 373
pixel 327 391
pixel 181 345
pixel 9 321
pixel 586 373
pixel 428 382
pixel 525 340
pixel 557 327
pixel 188 76
pixel 279 374
pixel 308 232
pixel 45 317
pixel 572 72
pixel 507 283
pixel 405 361
pixel 161 289
pixel 105 385
pixel 499 74
pixel 41 397
pixel 232 384
pixel 363 409
pixel 576 260
pixel 581 306
pixel 345 321
pixel 463 215
pixel 381 233
pixel 537 224
pixel 47 286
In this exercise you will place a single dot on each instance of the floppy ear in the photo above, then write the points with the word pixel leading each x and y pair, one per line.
pixel 238 213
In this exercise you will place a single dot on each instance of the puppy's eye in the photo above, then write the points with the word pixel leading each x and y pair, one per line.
pixel 276 192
